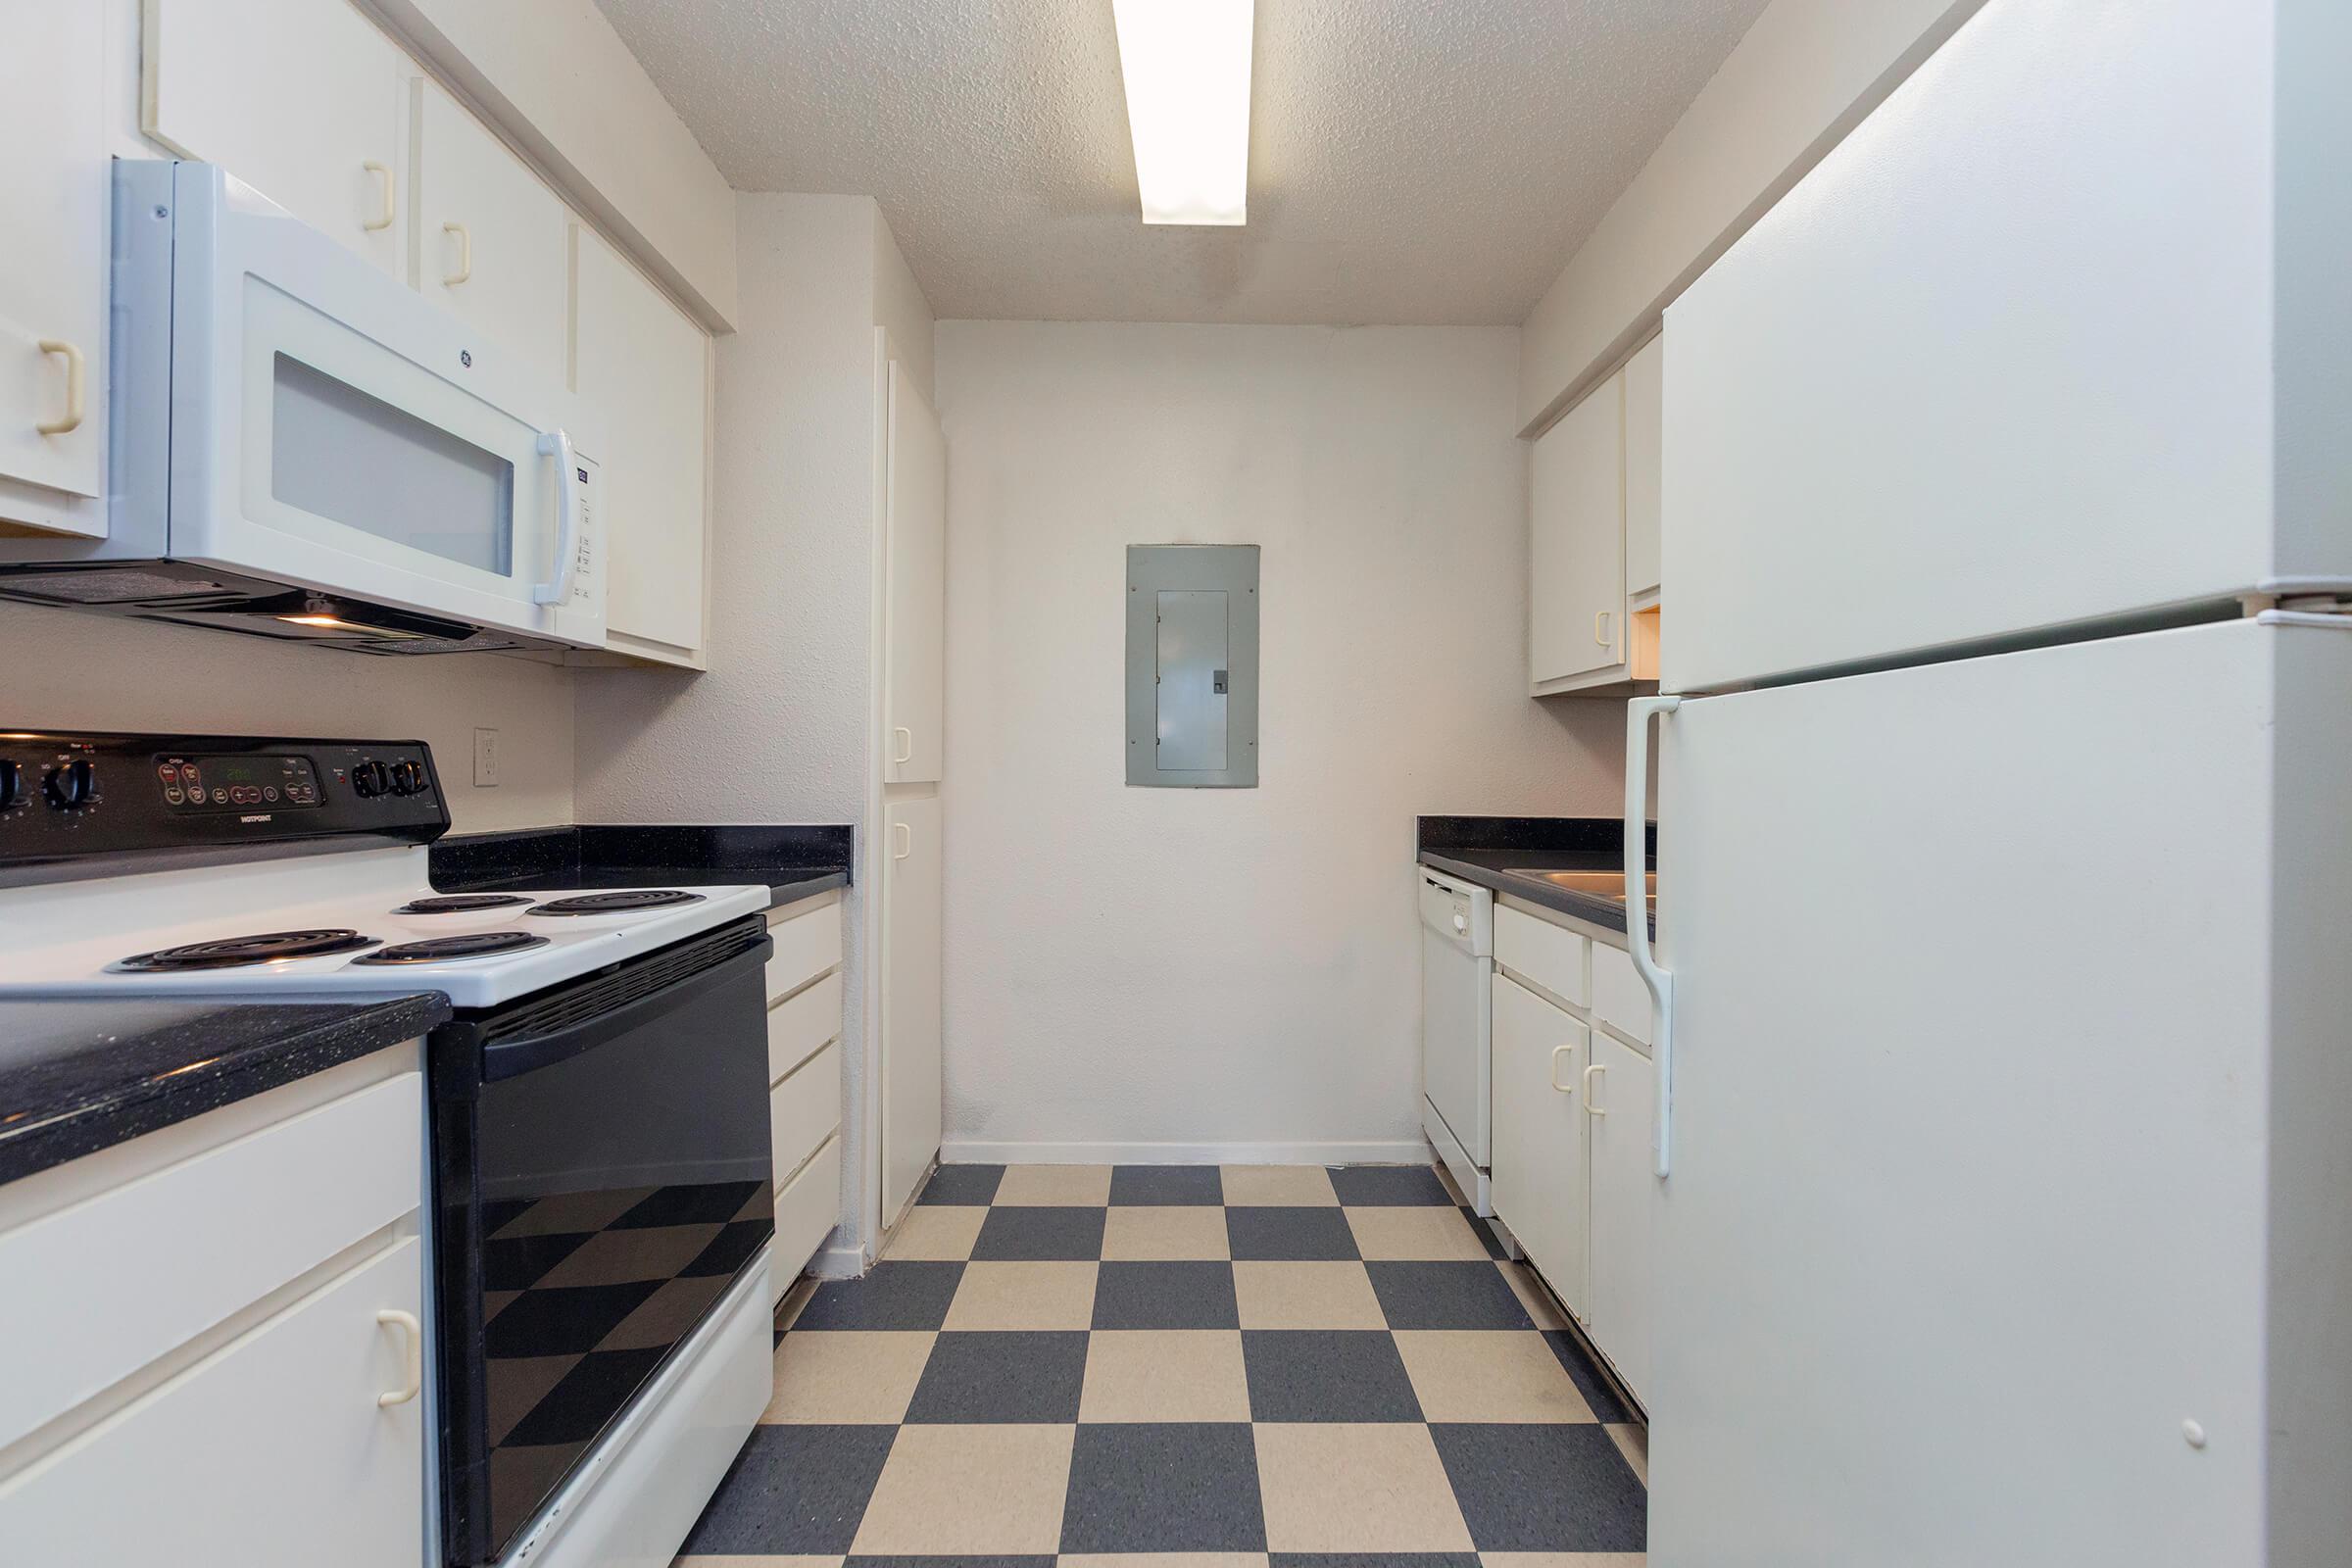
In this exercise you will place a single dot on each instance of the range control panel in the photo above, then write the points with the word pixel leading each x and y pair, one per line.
pixel 66 796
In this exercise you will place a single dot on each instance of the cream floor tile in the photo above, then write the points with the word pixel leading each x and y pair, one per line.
pixel 1164 1375
pixel 1306 1295
pixel 1447 1181
pixel 1634 1442
pixel 755 1562
pixel 1426 1235
pixel 1532 1295
pixel 1278 1186
pixel 1029 1186
pixel 1152 1234
pixel 1161 1559
pixel 937 1232
pixel 1488 1375
pixel 1023 1296
pixel 1356 1488
pixel 968 1491
pixel 846 1378
pixel 1562 1560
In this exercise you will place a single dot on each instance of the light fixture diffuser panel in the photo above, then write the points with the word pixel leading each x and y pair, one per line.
pixel 1186 64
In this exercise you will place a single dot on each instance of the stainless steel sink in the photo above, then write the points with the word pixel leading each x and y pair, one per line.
pixel 1609 885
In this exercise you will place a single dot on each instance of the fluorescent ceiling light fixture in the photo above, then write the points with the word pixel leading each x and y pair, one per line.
pixel 1186 64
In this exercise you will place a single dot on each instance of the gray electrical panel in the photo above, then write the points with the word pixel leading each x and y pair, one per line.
pixel 1192 665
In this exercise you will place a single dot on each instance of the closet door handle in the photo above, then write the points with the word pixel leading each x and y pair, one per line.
pixel 75 372
pixel 414 1333
pixel 1593 1108
pixel 1565 1088
pixel 464 255
pixel 906 752
pixel 383 218
pixel 906 833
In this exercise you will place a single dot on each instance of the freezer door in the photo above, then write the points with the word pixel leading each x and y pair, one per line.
pixel 2056 334
pixel 1964 1219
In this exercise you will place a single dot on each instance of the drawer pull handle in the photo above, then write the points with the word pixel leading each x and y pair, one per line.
pixel 1593 1108
pixel 414 1333
pixel 75 371
pixel 1565 1088
pixel 383 218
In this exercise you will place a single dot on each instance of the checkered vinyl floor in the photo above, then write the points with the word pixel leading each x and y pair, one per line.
pixel 1237 1362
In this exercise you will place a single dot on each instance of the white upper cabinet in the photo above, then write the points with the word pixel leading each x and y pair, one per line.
pixel 53 267
pixel 915 646
pixel 489 237
pixel 1576 504
pixel 301 99
pixel 646 369
pixel 1644 422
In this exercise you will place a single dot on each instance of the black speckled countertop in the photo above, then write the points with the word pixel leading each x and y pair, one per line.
pixel 794 859
pixel 1487 850
pixel 78 1075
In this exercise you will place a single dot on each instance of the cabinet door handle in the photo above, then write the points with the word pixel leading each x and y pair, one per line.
pixel 906 752
pixel 905 835
pixel 414 1333
pixel 75 371
pixel 1565 1088
pixel 383 218
pixel 1593 1108
pixel 1601 627
pixel 464 255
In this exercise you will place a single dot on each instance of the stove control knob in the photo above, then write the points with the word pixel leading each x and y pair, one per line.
pixel 12 784
pixel 408 778
pixel 69 785
pixel 370 778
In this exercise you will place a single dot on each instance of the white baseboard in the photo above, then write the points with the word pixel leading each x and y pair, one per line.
pixel 1400 1151
pixel 837 1263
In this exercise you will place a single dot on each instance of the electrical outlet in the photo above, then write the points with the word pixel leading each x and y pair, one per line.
pixel 485 757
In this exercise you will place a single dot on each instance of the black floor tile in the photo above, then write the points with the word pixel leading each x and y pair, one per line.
pixel 1290 1235
pixel 1484 1231
pixel 570 1321
pixel 1327 1375
pixel 1166 1295
pixel 888 1295
pixel 1042 1235
pixel 590 1396
pixel 520 1261
pixel 1390 1187
pixel 1587 1378
pixel 1163 1487
pixel 967 1185
pixel 796 1491
pixel 1559 1487
pixel 1375 1559
pixel 1197 1185
pixel 689 1203
pixel 1000 1376
pixel 1447 1296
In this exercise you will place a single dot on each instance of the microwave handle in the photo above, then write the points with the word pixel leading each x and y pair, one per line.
pixel 557 445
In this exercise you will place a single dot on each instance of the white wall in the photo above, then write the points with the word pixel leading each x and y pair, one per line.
pixel 1807 73
pixel 781 727
pixel 71 669
pixel 1204 970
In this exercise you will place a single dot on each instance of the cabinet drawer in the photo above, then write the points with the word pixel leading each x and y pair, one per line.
pixel 268 1453
pixel 1619 997
pixel 806 1211
pixel 1551 956
pixel 806 946
pixel 801 1025
pixel 803 1110
pixel 136 1271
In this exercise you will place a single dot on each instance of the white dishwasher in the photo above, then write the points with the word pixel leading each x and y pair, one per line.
pixel 1458 1026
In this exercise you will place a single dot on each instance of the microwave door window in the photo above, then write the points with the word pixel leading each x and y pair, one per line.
pixel 340 454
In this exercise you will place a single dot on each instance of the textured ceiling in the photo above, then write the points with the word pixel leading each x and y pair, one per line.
pixel 1410 161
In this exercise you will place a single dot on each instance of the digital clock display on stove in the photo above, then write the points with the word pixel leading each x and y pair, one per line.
pixel 234 783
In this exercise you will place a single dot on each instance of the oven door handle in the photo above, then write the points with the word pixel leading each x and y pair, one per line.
pixel 512 1059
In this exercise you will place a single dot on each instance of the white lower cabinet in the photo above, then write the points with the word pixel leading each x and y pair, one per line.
pixel 804 1070
pixel 1620 1098
pixel 1540 1166
pixel 910 998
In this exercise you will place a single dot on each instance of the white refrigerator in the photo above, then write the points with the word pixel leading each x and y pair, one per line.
pixel 2004 954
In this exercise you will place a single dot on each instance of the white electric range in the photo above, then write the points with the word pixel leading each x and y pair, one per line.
pixel 605 1070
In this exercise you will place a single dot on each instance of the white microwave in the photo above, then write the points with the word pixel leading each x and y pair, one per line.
pixel 303 448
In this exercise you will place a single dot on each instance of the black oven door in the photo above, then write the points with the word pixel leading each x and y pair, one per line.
pixel 601 1168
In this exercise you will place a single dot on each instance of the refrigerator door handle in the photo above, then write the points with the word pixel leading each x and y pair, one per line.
pixel 1660 981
